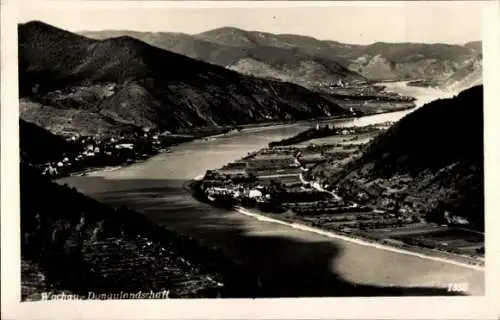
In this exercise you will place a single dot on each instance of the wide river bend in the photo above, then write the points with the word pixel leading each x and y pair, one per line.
pixel 295 262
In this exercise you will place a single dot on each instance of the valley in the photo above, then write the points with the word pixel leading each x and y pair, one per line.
pixel 242 164
pixel 161 192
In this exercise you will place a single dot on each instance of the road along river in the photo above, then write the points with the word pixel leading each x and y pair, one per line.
pixel 293 261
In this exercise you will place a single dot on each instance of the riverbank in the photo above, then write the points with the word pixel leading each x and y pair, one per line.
pixel 76 166
pixel 404 249
pixel 98 152
pixel 318 266
pixel 271 180
pixel 401 102
pixel 268 211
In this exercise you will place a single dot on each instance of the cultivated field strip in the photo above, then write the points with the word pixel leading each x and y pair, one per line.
pixel 355 240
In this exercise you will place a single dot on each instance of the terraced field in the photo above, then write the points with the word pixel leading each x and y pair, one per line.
pixel 309 203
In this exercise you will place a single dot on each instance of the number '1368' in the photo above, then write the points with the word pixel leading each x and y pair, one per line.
pixel 458 287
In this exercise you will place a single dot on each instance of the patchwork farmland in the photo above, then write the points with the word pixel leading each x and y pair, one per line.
pixel 274 180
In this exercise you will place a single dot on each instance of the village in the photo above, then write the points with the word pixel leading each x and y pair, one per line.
pixel 364 98
pixel 274 181
pixel 89 152
pixel 362 90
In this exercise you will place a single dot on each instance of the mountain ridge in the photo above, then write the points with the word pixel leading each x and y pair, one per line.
pixel 230 46
pixel 133 82
pixel 278 60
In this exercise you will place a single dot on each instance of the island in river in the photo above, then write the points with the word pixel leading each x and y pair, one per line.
pixel 292 261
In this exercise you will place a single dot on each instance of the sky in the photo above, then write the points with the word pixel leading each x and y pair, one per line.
pixel 443 22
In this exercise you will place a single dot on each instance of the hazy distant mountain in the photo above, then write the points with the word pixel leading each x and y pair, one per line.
pixel 241 38
pixel 477 46
pixel 429 163
pixel 471 74
pixel 100 85
pixel 305 59
pixel 238 50
pixel 410 60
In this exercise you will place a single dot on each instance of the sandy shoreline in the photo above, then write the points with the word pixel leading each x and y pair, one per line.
pixel 357 240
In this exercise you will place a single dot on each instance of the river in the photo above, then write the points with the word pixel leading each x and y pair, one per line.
pixel 422 95
pixel 294 262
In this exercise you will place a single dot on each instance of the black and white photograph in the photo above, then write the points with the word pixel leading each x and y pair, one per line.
pixel 222 152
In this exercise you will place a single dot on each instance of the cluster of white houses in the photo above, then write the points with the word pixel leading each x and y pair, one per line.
pixel 237 192
pixel 91 148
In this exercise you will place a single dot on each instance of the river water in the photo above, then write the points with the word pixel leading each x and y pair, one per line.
pixel 421 94
pixel 294 262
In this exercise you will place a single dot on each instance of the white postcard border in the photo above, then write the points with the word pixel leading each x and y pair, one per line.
pixel 304 308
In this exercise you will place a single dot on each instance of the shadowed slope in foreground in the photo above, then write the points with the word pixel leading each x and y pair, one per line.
pixel 71 243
